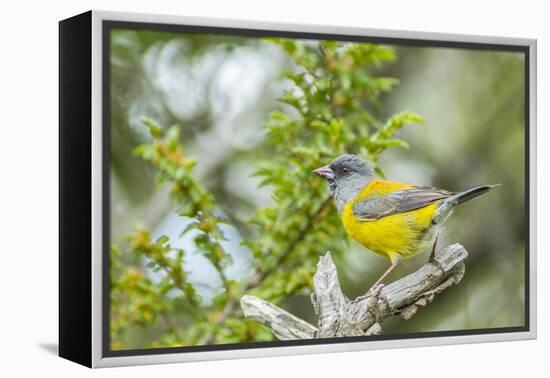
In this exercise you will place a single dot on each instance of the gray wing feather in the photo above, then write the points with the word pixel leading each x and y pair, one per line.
pixel 396 202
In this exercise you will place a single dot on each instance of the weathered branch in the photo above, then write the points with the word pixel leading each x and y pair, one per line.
pixel 284 325
pixel 337 315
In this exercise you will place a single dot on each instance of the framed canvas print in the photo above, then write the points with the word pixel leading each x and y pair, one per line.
pixel 238 189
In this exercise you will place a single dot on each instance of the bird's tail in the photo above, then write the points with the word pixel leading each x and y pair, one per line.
pixel 470 194
pixel 446 206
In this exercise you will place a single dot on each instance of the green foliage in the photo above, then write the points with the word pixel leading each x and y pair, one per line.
pixel 329 108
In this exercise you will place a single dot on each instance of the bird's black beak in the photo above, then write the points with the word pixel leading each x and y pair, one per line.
pixel 325 172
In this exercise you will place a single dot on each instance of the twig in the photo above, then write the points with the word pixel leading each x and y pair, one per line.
pixel 259 277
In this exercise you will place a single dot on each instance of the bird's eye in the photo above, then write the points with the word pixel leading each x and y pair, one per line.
pixel 345 169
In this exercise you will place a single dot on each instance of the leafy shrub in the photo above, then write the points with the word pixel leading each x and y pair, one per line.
pixel 330 108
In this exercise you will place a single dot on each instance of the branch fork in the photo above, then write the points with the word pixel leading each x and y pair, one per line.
pixel 337 315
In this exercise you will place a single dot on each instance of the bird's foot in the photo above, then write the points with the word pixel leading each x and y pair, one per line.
pixel 433 259
pixel 375 289
pixel 436 262
pixel 434 247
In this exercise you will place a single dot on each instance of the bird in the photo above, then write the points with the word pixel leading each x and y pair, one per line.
pixel 390 218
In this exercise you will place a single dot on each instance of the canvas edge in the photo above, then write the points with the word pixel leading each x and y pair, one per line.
pixel 533 241
pixel 97 190
pixel 97 182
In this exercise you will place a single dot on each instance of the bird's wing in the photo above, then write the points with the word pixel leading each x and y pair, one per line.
pixel 399 201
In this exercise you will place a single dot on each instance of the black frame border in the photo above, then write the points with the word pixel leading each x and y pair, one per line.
pixel 108 25
pixel 75 189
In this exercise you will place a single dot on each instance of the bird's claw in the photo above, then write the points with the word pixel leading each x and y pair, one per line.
pixel 376 289
pixel 436 262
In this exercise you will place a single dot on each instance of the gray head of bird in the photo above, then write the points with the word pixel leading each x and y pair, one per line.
pixel 347 176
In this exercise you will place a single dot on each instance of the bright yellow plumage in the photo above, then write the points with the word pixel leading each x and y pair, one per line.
pixel 403 234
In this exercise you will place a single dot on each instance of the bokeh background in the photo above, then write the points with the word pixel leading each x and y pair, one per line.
pixel 220 90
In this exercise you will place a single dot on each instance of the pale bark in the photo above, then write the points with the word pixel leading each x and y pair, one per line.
pixel 339 316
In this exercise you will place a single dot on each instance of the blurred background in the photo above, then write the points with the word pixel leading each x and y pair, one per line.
pixel 220 90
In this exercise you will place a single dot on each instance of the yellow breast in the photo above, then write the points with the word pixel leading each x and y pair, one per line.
pixel 403 234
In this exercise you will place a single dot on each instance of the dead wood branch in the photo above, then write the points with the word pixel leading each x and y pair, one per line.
pixel 338 315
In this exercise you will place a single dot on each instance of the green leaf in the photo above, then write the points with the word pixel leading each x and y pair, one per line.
pixel 162 240
pixel 155 131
